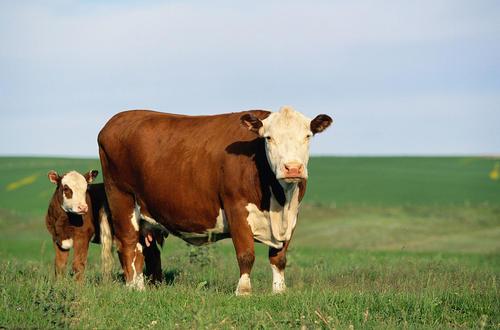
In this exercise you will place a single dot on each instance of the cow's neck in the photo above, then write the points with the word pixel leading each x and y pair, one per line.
pixel 284 217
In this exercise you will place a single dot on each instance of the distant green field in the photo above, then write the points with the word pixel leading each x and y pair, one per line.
pixel 333 181
pixel 380 243
pixel 391 181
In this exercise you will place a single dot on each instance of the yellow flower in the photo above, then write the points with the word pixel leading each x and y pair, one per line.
pixel 494 174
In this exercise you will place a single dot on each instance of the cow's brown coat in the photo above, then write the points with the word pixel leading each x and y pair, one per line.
pixel 181 170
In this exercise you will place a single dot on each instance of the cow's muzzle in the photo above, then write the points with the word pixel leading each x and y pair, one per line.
pixel 293 172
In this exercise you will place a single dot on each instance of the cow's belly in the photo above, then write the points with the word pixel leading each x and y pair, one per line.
pixel 203 233
pixel 218 232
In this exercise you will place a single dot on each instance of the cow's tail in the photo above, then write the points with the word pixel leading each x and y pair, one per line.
pixel 106 244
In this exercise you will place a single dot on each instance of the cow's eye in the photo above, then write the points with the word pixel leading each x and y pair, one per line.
pixel 308 136
pixel 268 138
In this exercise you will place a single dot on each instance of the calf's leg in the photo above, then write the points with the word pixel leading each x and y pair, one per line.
pixel 80 252
pixel 60 260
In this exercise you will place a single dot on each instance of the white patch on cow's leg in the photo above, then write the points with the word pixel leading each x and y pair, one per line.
pixel 278 280
pixel 67 244
pixel 137 282
pixel 139 247
pixel 134 219
pixel 244 287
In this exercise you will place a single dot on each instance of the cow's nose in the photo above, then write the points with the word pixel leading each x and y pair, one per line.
pixel 293 169
pixel 82 208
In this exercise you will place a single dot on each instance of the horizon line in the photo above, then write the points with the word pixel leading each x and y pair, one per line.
pixel 340 155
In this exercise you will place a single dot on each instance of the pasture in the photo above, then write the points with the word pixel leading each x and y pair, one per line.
pixel 380 243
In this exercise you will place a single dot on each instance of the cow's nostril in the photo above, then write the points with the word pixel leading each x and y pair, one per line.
pixel 293 168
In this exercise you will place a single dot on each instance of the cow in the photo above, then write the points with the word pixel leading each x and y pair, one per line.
pixel 78 212
pixel 204 178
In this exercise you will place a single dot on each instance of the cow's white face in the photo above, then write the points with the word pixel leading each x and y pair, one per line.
pixel 287 135
pixel 73 188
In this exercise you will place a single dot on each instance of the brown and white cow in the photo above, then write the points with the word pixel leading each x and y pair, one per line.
pixel 204 178
pixel 77 212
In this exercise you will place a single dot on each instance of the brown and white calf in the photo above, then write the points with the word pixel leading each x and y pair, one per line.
pixel 204 178
pixel 78 212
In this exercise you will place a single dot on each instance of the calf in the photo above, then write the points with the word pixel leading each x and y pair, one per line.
pixel 77 212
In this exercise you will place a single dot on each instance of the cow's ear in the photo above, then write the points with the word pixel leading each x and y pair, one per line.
pixel 91 175
pixel 54 177
pixel 251 122
pixel 320 123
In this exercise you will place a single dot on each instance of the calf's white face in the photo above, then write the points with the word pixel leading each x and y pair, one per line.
pixel 287 135
pixel 73 188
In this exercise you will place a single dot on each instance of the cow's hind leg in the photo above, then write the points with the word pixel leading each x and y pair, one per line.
pixel 125 217
pixel 152 257
pixel 242 237
pixel 277 259
pixel 60 260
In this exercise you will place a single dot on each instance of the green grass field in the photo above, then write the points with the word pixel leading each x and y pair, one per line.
pixel 380 243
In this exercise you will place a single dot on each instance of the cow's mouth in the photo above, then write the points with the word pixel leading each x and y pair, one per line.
pixel 78 212
pixel 294 179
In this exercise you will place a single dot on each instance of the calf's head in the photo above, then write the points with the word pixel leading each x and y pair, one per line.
pixel 73 188
pixel 287 135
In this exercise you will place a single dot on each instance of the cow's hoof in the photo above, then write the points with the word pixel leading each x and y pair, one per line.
pixel 243 290
pixel 137 283
pixel 244 287
pixel 279 286
pixel 279 289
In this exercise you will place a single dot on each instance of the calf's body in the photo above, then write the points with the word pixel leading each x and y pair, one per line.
pixel 76 230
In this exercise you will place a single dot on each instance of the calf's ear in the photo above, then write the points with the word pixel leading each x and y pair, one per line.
pixel 91 175
pixel 54 177
pixel 320 123
pixel 251 122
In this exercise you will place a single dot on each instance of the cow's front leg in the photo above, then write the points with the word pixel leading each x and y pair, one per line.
pixel 242 237
pixel 277 259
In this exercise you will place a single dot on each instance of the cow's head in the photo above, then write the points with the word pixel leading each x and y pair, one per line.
pixel 287 135
pixel 73 188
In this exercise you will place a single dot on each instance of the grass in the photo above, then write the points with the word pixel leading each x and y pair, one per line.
pixel 373 259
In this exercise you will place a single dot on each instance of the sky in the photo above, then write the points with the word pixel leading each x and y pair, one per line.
pixel 398 77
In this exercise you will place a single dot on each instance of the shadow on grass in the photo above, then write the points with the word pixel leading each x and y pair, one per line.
pixel 169 276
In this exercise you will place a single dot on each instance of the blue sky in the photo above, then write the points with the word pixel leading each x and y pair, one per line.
pixel 398 77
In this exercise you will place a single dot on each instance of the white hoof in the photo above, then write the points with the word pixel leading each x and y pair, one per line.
pixel 279 285
pixel 244 287
pixel 137 283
